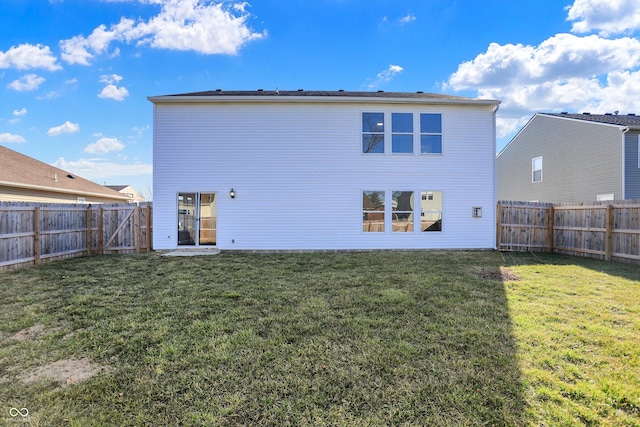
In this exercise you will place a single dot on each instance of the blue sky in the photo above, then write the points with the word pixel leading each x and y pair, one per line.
pixel 75 74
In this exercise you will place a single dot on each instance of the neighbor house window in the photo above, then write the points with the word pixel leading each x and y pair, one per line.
pixel 373 133
pixel 430 133
pixel 536 169
pixel 431 211
pixel 402 215
pixel 402 133
pixel 373 211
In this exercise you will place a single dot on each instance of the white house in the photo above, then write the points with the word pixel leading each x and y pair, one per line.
pixel 323 170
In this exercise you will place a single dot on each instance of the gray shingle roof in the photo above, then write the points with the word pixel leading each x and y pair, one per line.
pixel 630 120
pixel 301 92
pixel 17 169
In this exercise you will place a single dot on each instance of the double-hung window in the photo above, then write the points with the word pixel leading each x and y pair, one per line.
pixel 399 214
pixel 402 133
pixel 373 133
pixel 430 133
pixel 373 211
pixel 536 169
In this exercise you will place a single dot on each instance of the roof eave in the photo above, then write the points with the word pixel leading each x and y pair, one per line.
pixel 178 99
pixel 62 190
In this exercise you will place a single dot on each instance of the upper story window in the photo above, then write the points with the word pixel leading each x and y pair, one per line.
pixel 373 133
pixel 536 169
pixel 403 139
pixel 430 133
pixel 402 133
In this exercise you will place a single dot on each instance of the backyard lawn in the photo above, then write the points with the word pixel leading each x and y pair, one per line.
pixel 341 339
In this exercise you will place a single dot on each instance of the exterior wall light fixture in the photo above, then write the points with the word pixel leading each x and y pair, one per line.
pixel 232 194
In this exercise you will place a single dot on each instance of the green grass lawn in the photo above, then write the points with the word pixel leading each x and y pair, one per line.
pixel 342 339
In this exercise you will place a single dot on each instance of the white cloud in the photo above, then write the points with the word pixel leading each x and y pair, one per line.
pixel 99 169
pixel 560 56
pixel 12 138
pixel 607 16
pixel 201 26
pixel 114 92
pixel 20 113
pixel 386 76
pixel 110 78
pixel 66 127
pixel 26 83
pixel 104 145
pixel 563 73
pixel 27 56
pixel 406 19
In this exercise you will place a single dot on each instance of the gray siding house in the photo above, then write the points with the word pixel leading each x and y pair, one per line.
pixel 571 158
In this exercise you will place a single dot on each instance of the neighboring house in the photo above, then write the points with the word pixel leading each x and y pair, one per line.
pixel 25 179
pixel 571 158
pixel 323 170
pixel 132 195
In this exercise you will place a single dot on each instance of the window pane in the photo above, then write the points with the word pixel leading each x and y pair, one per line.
pixel 373 143
pixel 373 211
pixel 402 144
pixel 431 144
pixel 402 122
pixel 372 122
pixel 430 123
pixel 537 163
pixel 537 176
pixel 431 211
pixel 402 220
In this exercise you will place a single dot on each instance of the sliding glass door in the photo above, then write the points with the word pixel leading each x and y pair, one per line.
pixel 197 219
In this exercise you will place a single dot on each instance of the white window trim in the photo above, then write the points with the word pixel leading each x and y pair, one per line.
pixel 388 133
pixel 388 212
pixel 533 170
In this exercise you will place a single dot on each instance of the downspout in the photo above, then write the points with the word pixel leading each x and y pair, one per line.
pixel 624 169
pixel 495 178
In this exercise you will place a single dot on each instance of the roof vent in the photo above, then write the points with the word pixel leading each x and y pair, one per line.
pixel 608 114
pixel 55 176
pixel 419 91
pixel 565 112
pixel 340 90
pixel 380 91
pixel 218 90
pixel 631 114
pixel 300 90
pixel 71 176
pixel 260 90
pixel 587 114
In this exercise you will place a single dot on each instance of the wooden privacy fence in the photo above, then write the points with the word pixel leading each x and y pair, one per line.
pixel 606 230
pixel 31 233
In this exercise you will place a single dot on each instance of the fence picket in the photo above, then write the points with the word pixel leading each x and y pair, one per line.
pixel 31 233
pixel 605 230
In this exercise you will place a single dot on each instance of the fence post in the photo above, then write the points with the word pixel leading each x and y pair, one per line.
pixel 100 234
pixel 551 232
pixel 608 242
pixel 149 228
pixel 36 235
pixel 89 230
pixel 498 225
pixel 137 229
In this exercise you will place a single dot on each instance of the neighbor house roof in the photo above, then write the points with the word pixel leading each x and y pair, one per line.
pixel 319 95
pixel 20 171
pixel 627 120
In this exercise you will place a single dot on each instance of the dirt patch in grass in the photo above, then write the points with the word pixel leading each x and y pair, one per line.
pixel 502 274
pixel 66 372
pixel 28 334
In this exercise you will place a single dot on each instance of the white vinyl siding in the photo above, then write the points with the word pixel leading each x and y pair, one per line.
pixel 298 173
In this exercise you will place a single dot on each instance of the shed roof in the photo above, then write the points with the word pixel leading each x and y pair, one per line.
pixel 21 171
pixel 627 120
